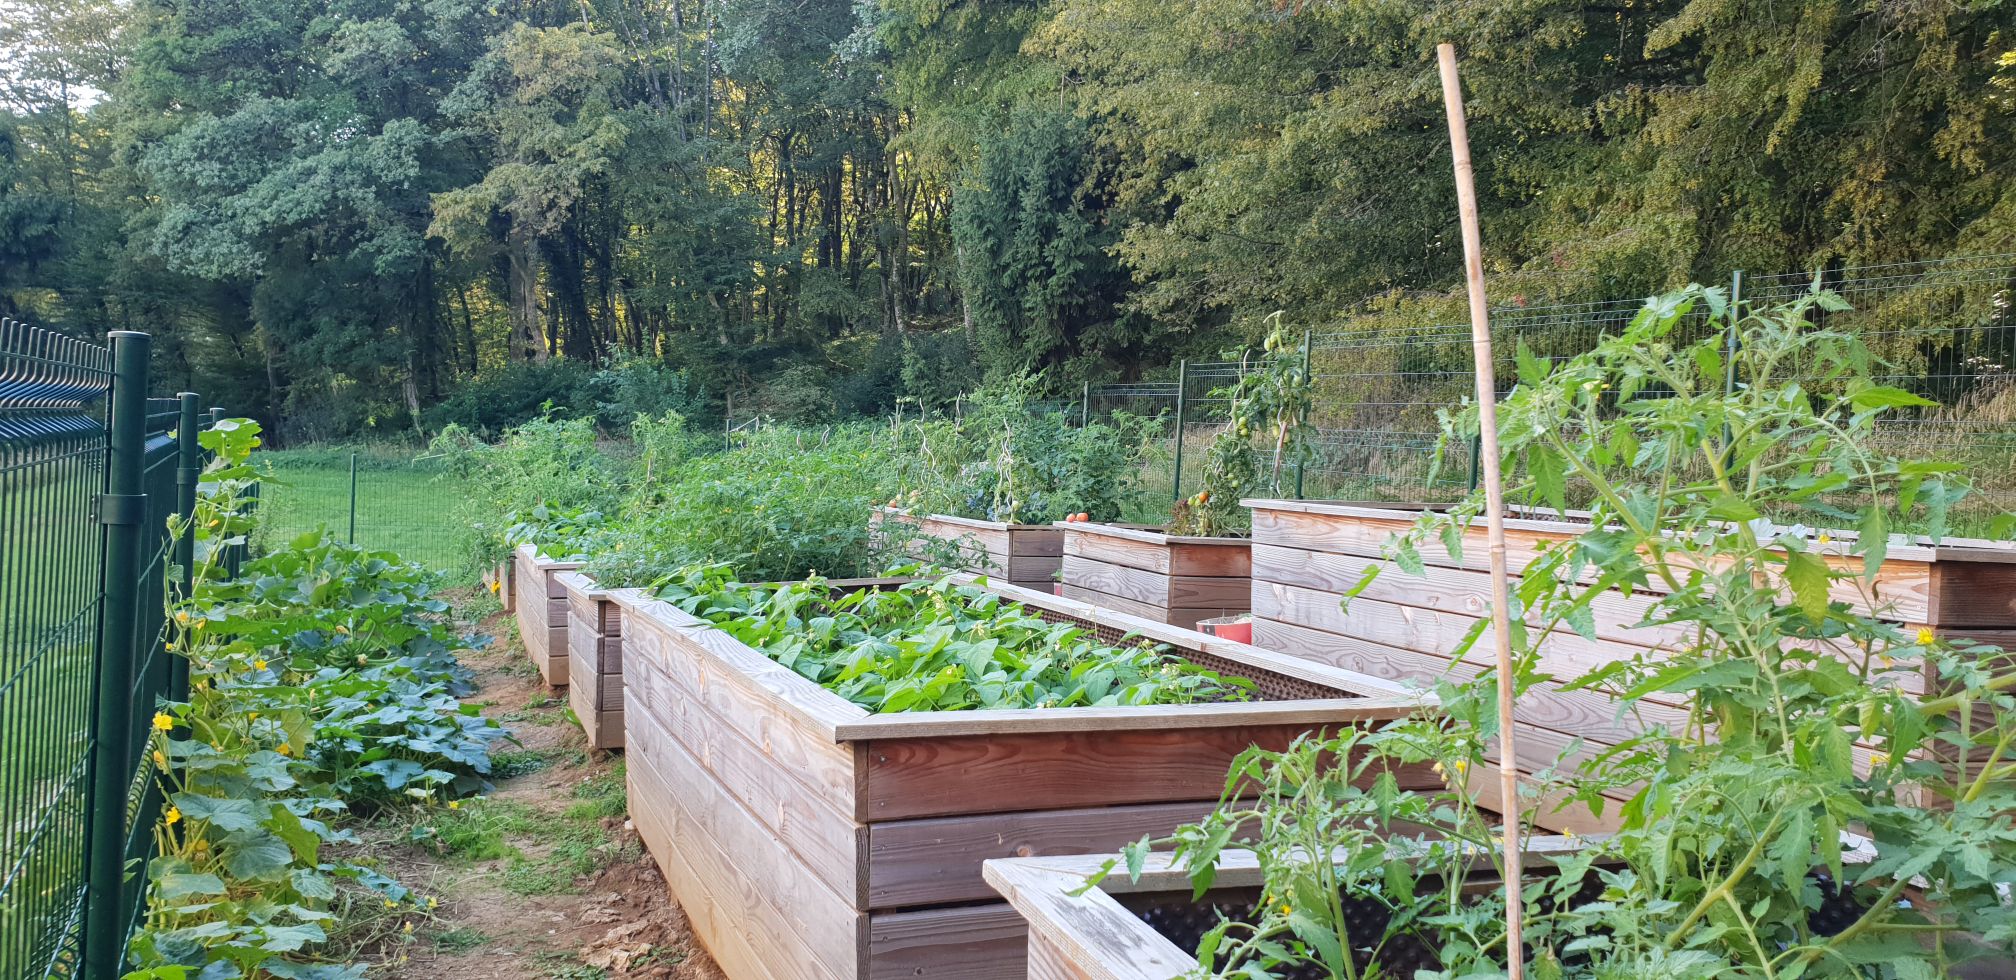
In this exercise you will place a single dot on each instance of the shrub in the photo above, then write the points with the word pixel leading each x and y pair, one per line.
pixel 517 393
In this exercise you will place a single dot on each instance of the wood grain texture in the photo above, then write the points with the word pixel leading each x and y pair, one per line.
pixel 1179 618
pixel 973 942
pixel 1047 962
pixel 938 777
pixel 817 829
pixel 744 674
pixel 761 913
pixel 1155 551
pixel 1904 589
pixel 1569 714
pixel 1089 935
pixel 1155 588
pixel 937 861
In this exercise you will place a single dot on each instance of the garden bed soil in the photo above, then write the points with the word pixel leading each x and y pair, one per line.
pixel 1308 554
pixel 1028 555
pixel 542 612
pixel 1146 572
pixel 807 838
pixel 1105 933
pixel 594 659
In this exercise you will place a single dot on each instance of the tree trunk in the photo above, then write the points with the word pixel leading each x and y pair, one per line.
pixel 528 341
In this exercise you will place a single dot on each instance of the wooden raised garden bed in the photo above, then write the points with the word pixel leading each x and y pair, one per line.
pixel 542 612
pixel 594 659
pixel 498 580
pixel 1154 575
pixel 1307 554
pixel 1146 929
pixel 808 838
pixel 1028 555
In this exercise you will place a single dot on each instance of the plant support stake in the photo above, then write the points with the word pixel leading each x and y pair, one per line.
pixel 1494 498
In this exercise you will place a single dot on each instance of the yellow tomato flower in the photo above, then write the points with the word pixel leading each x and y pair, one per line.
pixel 496 587
pixel 390 904
pixel 163 721
pixel 182 617
pixel 1926 637
pixel 454 804
pixel 258 665
pixel 433 902
pixel 172 817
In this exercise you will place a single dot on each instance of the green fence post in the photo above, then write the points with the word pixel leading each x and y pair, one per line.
pixel 121 510
pixel 1085 407
pixel 187 474
pixel 353 498
pixel 1731 345
pixel 1182 385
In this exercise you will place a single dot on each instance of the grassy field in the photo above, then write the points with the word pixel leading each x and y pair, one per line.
pixel 401 506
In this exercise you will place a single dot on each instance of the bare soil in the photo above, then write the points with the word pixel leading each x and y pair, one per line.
pixel 618 921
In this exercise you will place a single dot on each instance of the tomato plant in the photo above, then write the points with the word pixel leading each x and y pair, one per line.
pixel 1730 858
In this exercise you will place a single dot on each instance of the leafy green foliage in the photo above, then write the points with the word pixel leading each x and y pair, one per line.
pixel 1786 655
pixel 1270 401
pixel 780 505
pixel 323 684
pixel 1010 458
pixel 932 645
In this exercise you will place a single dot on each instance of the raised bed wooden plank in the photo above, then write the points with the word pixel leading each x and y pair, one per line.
pixel 1571 714
pixel 1916 584
pixel 1152 550
pixel 931 777
pixel 793 926
pixel 927 862
pixel 1154 588
pixel 971 942
pixel 800 762
pixel 826 839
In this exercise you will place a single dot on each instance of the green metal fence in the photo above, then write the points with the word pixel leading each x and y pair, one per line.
pixel 1945 329
pixel 378 497
pixel 90 471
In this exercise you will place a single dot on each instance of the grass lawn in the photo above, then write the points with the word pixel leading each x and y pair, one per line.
pixel 401 506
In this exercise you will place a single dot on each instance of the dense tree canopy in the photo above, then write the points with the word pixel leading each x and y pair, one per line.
pixel 341 214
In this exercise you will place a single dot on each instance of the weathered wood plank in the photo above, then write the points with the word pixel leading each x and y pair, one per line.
pixel 1572 714
pixel 973 942
pixel 937 861
pixel 796 926
pixel 1089 935
pixel 1904 589
pixel 824 837
pixel 940 777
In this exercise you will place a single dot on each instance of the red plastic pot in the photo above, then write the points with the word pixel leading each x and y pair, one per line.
pixel 1238 629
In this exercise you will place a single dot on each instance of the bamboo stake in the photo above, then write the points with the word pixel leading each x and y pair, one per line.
pixel 1494 496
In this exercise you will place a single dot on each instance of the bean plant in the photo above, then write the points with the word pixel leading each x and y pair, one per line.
pixel 936 645
pixel 1811 816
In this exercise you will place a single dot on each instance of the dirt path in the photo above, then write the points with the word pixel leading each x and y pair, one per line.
pixel 543 879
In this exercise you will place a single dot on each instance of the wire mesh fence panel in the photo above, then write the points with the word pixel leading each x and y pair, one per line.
pixel 378 500
pixel 52 465
pixel 1943 330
